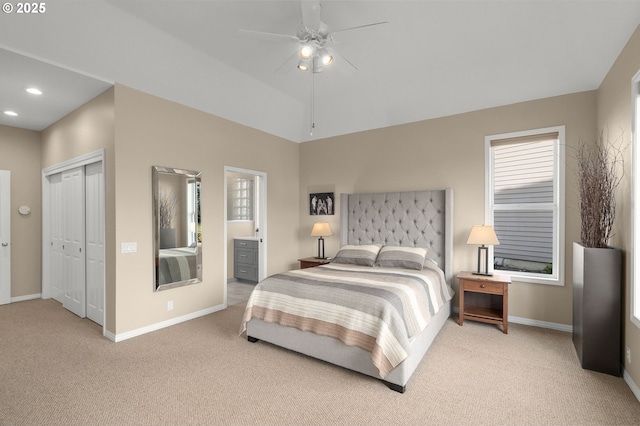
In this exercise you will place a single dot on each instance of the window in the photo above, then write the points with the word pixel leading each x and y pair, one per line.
pixel 240 198
pixel 635 200
pixel 525 203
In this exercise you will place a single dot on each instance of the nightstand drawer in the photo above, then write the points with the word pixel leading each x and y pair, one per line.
pixel 483 287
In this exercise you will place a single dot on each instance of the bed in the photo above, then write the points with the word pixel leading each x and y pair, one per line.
pixel 344 324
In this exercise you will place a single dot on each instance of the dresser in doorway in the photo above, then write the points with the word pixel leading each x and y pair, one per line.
pixel 245 259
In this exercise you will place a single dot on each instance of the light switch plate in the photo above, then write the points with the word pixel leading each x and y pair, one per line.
pixel 128 247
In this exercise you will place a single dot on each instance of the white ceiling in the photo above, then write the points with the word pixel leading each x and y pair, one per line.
pixel 433 59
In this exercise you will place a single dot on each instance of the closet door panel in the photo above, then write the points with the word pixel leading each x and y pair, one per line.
pixel 73 199
pixel 57 239
pixel 95 242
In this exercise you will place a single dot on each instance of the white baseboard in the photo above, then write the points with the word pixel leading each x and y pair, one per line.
pixel 158 326
pixel 542 324
pixel 27 297
pixel 535 323
pixel 632 385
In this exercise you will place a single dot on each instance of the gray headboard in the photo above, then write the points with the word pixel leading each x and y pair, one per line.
pixel 414 219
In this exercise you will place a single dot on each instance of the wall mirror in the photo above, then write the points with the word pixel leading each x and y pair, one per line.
pixel 177 228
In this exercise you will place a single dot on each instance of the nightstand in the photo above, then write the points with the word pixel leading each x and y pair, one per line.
pixel 484 298
pixel 310 262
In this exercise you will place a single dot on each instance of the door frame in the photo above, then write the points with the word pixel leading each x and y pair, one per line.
pixel 262 225
pixel 5 237
pixel 83 160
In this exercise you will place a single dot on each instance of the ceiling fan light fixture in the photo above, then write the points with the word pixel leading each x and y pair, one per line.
pixel 306 51
pixel 326 56
pixel 303 65
pixel 317 65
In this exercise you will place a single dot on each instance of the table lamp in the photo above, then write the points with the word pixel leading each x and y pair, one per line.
pixel 483 235
pixel 321 229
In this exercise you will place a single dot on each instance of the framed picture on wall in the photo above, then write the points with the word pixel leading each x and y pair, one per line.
pixel 321 203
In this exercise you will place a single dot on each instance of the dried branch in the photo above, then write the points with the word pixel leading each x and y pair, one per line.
pixel 598 167
pixel 167 206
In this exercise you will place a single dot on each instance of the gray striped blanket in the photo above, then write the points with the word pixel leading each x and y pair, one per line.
pixel 376 309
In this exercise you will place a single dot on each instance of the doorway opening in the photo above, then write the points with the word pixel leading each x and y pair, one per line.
pixel 245 232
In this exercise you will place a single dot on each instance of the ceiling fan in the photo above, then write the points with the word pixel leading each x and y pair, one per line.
pixel 314 40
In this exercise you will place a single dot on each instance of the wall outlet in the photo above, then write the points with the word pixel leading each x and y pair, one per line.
pixel 170 305
pixel 628 355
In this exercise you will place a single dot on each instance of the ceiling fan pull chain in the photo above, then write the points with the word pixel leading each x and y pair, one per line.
pixel 313 102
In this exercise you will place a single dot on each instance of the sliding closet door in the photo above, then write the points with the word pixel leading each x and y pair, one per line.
pixel 95 242
pixel 56 236
pixel 5 237
pixel 73 241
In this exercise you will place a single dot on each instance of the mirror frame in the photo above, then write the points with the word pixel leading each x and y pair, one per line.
pixel 158 171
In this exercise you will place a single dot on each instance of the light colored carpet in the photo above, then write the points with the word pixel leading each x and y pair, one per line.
pixel 56 369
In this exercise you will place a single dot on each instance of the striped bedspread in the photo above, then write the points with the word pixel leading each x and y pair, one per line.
pixel 376 309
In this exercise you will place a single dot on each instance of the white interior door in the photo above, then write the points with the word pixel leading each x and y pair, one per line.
pixel 56 237
pixel 73 241
pixel 5 237
pixel 94 242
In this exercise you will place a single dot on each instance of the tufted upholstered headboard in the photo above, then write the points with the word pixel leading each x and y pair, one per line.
pixel 414 219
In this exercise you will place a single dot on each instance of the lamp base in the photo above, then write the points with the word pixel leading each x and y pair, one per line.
pixel 320 258
pixel 484 274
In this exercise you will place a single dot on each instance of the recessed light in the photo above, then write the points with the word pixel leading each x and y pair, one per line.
pixel 34 91
pixel 11 113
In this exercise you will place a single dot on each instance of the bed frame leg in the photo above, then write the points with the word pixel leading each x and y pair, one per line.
pixel 252 339
pixel 394 387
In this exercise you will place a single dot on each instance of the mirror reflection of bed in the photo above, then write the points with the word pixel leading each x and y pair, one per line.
pixel 177 264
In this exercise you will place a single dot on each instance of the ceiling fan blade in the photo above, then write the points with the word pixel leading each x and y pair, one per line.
pixel 290 63
pixel 311 13
pixel 360 26
pixel 342 58
pixel 267 36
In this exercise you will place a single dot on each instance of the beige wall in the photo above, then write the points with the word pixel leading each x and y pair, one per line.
pixel 448 152
pixel 85 130
pixel 615 117
pixel 151 131
pixel 20 154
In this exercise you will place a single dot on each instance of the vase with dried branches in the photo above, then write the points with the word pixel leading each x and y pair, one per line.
pixel 597 267
pixel 167 205
pixel 167 208
pixel 600 168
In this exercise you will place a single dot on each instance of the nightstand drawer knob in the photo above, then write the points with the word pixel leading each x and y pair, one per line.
pixel 482 286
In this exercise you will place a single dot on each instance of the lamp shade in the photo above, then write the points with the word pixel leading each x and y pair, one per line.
pixel 483 235
pixel 321 229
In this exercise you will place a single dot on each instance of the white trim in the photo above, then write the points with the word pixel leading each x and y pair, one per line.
pixel 262 217
pixel 557 279
pixel 26 297
pixel 634 308
pixel 535 323
pixel 541 324
pixel 632 385
pixel 163 324
pixel 83 160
